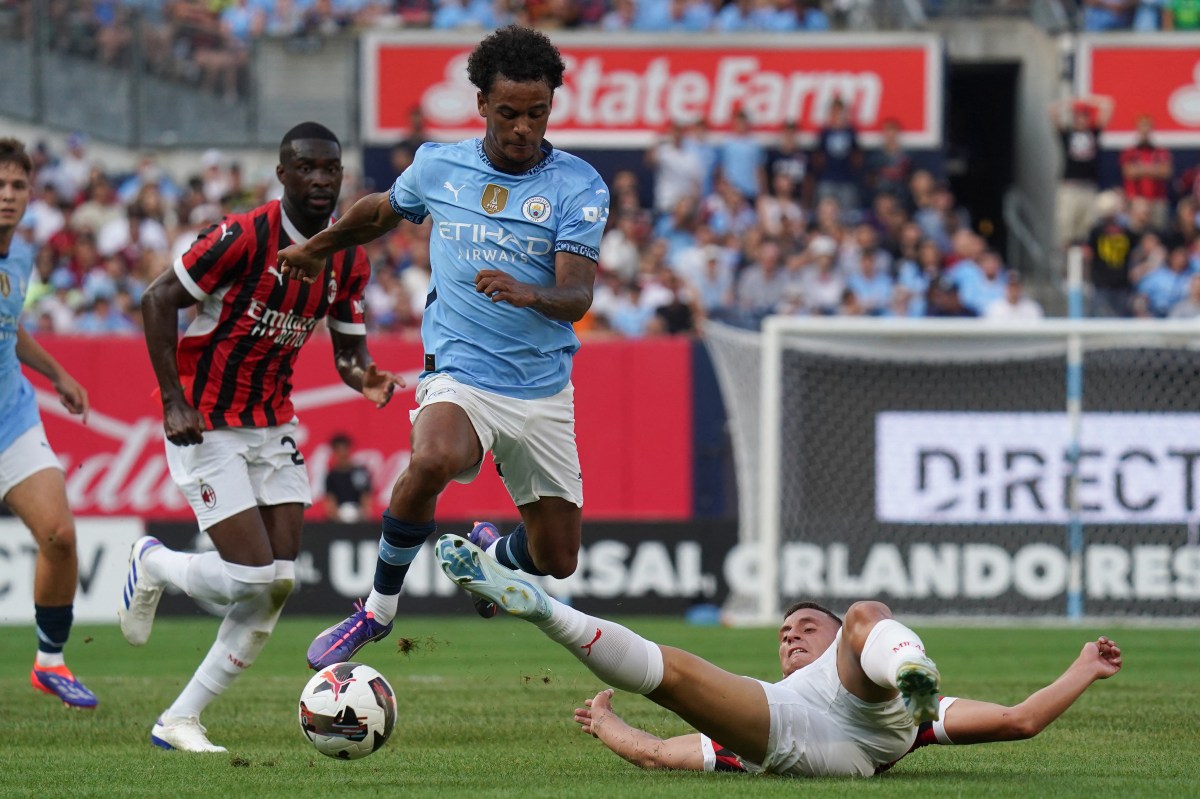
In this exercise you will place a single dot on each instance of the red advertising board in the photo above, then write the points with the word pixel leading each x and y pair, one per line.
pixel 623 91
pixel 633 424
pixel 1157 75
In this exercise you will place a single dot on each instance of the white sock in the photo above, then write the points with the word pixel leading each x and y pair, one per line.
pixel 615 654
pixel 48 660
pixel 206 576
pixel 889 646
pixel 382 606
pixel 240 639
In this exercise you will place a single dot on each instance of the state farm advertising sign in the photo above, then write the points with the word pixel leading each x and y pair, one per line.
pixel 623 91
pixel 1157 75
pixel 633 426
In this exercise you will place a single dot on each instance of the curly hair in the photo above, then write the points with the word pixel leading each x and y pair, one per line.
pixel 519 54
pixel 12 151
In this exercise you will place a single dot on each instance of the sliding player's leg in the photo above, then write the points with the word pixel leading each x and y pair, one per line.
pixel 728 708
pixel 879 657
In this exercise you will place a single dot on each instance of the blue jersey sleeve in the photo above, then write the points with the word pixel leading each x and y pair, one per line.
pixel 584 219
pixel 406 196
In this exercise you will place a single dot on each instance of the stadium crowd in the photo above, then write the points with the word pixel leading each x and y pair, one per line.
pixel 714 226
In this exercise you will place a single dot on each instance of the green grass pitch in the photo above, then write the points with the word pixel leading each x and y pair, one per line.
pixel 485 711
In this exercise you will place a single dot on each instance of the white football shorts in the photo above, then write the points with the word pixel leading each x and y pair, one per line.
pixel 531 441
pixel 29 454
pixel 236 468
pixel 819 729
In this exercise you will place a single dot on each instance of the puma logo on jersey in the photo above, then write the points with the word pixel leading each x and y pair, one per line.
pixel 448 186
pixel 278 275
pixel 224 231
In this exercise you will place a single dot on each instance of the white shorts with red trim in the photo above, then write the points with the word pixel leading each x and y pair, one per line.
pixel 237 468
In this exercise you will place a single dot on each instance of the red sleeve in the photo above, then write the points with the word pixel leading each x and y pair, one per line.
pixel 347 312
pixel 213 257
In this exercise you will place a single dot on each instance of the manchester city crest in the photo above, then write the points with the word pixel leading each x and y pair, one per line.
pixel 536 209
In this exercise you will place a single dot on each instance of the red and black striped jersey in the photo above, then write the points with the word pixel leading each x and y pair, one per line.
pixel 236 357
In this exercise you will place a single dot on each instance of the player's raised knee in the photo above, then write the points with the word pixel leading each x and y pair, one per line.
pixel 558 564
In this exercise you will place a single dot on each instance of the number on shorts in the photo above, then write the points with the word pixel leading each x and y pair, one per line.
pixel 297 458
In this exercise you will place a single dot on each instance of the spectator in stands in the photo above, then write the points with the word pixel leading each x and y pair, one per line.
pixel 103 317
pixel 1147 171
pixel 1184 230
pixel 981 286
pixel 787 157
pixel 762 283
pixel 1107 15
pixel 677 169
pixel 1080 181
pixel 347 483
pixel 100 207
pixel 1189 306
pixel 711 281
pixel 822 284
pixel 1110 245
pixel 742 158
pixel 890 167
pixel 779 213
pixel 1014 306
pixel 942 218
pixel 837 159
pixel 916 275
pixel 728 211
pixel 871 285
pixel 72 173
pixel 621 247
pixel 1163 285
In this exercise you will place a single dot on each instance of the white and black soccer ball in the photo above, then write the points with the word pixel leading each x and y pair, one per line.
pixel 347 710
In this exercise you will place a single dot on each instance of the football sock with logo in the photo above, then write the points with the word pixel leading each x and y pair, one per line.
pixel 240 638
pixel 889 646
pixel 206 576
pixel 512 551
pixel 615 654
pixel 53 629
pixel 398 546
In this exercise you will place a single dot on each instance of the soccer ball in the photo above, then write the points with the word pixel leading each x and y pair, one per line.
pixel 348 710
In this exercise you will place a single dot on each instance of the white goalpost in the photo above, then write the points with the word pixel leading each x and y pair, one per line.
pixel 949 466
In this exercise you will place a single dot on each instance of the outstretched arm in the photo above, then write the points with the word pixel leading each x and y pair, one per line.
pixel 637 746
pixel 367 220
pixel 72 395
pixel 357 370
pixel 970 722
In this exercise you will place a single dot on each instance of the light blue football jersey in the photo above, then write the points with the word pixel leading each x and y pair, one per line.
pixel 487 219
pixel 18 406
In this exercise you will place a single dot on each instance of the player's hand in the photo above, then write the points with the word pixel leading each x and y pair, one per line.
pixel 1104 655
pixel 295 262
pixel 597 709
pixel 502 287
pixel 378 386
pixel 182 424
pixel 73 396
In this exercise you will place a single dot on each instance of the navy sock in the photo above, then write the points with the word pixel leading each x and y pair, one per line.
pixel 53 627
pixel 512 551
pixel 399 544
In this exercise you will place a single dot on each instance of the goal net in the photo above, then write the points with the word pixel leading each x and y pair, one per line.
pixel 960 467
